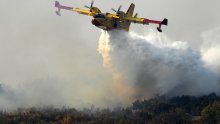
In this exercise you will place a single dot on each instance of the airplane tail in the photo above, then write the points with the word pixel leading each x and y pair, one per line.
pixel 57 4
pixel 164 22
pixel 59 7
pixel 130 10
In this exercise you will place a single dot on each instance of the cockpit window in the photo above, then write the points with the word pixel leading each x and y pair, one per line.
pixel 99 15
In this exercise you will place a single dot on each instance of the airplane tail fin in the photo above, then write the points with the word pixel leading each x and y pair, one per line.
pixel 57 4
pixel 164 22
pixel 59 7
pixel 130 10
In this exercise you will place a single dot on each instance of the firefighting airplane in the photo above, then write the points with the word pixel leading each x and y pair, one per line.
pixel 109 21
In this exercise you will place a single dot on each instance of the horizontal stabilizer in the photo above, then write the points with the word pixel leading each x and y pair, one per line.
pixel 58 13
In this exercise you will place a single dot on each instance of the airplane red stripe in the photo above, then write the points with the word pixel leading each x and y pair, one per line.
pixel 151 21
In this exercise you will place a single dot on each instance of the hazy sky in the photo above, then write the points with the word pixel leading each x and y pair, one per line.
pixel 36 45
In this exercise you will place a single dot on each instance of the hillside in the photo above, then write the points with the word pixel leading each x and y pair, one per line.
pixel 175 110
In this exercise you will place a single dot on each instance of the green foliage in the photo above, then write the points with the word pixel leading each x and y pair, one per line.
pixel 211 113
pixel 159 110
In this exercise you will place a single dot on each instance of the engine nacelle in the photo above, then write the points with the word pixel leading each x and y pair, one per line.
pixel 122 14
pixel 95 10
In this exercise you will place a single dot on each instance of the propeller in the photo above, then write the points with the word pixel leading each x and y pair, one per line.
pixel 91 5
pixel 119 8
pixel 135 16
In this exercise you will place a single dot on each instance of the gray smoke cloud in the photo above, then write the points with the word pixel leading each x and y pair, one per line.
pixel 149 64
pixel 48 60
pixel 153 64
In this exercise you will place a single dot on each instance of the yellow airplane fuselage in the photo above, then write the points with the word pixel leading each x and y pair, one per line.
pixel 110 21
pixel 107 22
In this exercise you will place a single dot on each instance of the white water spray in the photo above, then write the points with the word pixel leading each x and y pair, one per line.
pixel 153 64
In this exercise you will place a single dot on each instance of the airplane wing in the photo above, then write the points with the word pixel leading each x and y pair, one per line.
pixel 80 11
pixel 110 15
pixel 148 21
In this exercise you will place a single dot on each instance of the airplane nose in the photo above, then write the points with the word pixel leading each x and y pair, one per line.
pixel 96 22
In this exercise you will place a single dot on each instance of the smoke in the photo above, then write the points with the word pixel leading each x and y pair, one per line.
pixel 47 60
pixel 141 66
pixel 121 90
pixel 152 64
pixel 211 49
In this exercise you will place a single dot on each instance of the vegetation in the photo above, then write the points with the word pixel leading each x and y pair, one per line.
pixel 159 110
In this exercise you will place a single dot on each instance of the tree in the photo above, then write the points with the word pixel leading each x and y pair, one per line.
pixel 211 113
